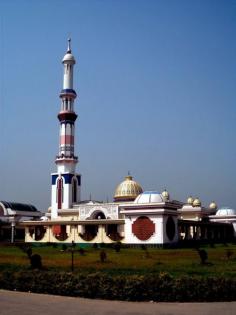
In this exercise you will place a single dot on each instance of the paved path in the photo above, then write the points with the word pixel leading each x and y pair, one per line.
pixel 15 303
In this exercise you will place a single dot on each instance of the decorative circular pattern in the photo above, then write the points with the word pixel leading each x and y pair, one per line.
pixel 170 228
pixel 143 228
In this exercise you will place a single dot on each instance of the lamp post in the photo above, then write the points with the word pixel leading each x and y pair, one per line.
pixel 72 256
pixel 13 224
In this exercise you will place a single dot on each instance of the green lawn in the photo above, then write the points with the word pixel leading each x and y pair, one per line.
pixel 127 261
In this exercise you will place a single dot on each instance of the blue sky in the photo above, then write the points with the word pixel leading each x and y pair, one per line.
pixel 156 84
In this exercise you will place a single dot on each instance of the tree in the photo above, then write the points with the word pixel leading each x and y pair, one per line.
pixel 103 256
pixel 203 255
pixel 35 259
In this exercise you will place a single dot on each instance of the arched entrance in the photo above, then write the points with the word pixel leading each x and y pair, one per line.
pixel 97 215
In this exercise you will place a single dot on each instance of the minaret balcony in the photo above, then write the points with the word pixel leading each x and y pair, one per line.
pixel 67 116
pixel 68 92
pixel 65 159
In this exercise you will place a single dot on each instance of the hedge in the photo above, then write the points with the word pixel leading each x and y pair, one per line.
pixel 152 287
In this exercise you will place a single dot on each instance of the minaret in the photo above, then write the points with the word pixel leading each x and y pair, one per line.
pixel 66 183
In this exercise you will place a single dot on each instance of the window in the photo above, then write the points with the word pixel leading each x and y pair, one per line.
pixel 59 193
pixel 74 190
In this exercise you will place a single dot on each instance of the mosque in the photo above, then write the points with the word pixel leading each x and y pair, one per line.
pixel 134 217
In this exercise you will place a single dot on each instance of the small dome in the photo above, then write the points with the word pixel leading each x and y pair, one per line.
pixel 226 211
pixel 165 195
pixel 68 58
pixel 196 202
pixel 127 190
pixel 149 197
pixel 44 218
pixel 213 205
pixel 190 200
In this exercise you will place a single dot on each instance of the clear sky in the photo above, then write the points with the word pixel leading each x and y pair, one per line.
pixel 157 97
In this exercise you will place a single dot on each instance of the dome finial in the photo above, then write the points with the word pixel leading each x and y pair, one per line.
pixel 165 195
pixel 213 205
pixel 197 202
pixel 69 45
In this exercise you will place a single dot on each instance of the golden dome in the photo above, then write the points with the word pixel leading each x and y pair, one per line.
pixel 196 202
pixel 213 205
pixel 165 195
pixel 190 200
pixel 127 190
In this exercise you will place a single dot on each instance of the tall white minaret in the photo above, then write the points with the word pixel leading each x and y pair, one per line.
pixel 66 183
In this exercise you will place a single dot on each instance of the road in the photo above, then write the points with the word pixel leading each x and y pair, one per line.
pixel 15 303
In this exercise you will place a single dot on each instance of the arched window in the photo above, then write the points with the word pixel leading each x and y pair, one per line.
pixel 59 193
pixel 98 215
pixel 170 228
pixel 74 190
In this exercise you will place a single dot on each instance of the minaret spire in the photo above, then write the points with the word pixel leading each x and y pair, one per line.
pixel 69 46
pixel 66 183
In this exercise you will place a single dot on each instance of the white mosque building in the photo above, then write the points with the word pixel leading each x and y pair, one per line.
pixel 134 217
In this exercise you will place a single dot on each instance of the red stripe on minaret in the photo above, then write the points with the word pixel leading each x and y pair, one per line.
pixel 67 140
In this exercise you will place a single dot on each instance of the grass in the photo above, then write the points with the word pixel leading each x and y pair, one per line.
pixel 128 261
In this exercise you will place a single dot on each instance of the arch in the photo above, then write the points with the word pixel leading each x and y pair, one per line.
pixel 39 232
pixel 97 215
pixel 59 193
pixel 90 232
pixel 170 228
pixel 112 232
pixel 74 189
pixel 91 214
pixel 59 232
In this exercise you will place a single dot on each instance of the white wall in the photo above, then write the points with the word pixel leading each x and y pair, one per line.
pixel 159 236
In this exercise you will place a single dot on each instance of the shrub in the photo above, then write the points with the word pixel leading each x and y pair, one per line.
pixel 103 256
pixel 95 245
pixel 35 261
pixel 143 247
pixel 229 253
pixel 117 246
pixel 157 287
pixel 202 255
pixel 64 247
pixel 81 251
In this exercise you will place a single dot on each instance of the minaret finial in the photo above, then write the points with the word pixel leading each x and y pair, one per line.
pixel 69 45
